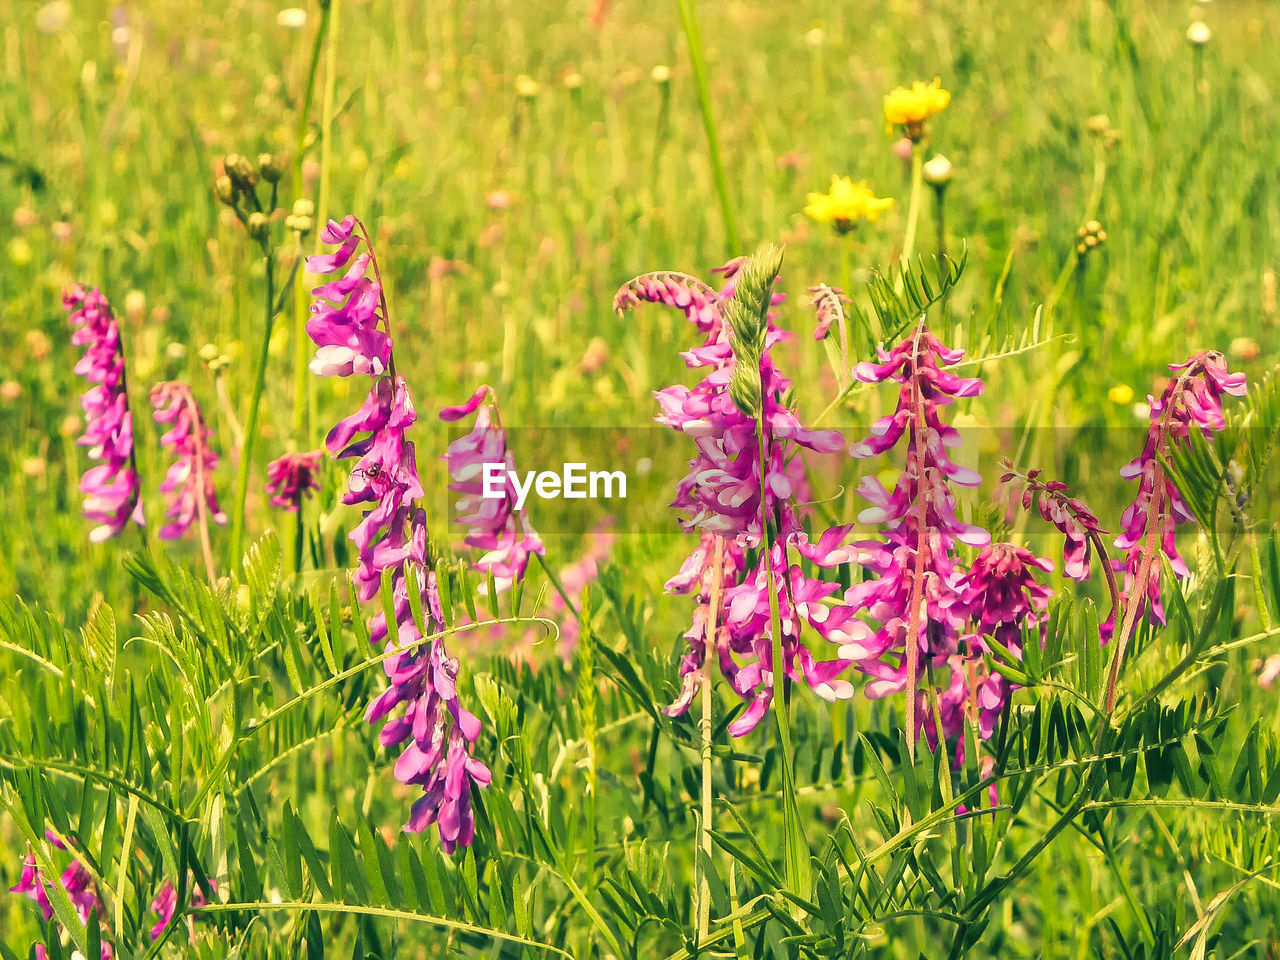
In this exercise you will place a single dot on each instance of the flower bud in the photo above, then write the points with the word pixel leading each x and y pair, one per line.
pixel 240 170
pixel 572 80
pixel 224 191
pixel 303 208
pixel 269 167
pixel 937 171
pixel 257 225
pixel 208 352
pixel 1099 124
pixel 526 87
pixel 661 74
pixel 1198 33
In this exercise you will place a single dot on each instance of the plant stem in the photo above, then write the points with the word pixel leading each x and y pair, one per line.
pixel 689 18
pixel 913 210
pixel 251 421
pixel 796 856
pixel 705 729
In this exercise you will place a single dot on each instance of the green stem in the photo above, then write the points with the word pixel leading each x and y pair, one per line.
pixel 706 727
pixel 689 17
pixel 251 421
pixel 796 855
pixel 913 209
pixel 300 350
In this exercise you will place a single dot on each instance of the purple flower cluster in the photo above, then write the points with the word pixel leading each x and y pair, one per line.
pixel 1001 599
pixel 348 310
pixel 721 496
pixel 1070 515
pixel 75 880
pixel 917 596
pixel 391 539
pixel 190 478
pixel 165 904
pixel 492 523
pixel 1193 398
pixel 291 478
pixel 111 488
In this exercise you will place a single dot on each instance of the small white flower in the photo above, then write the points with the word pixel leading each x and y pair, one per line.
pixel 1199 33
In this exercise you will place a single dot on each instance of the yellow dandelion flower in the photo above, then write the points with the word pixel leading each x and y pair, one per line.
pixel 846 203
pixel 911 108
pixel 1120 394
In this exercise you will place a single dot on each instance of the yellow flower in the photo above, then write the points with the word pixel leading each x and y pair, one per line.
pixel 911 108
pixel 1121 394
pixel 845 203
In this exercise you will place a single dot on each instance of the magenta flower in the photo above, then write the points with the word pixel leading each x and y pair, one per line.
pixel 917 594
pixel 721 498
pixel 436 731
pixel 493 523
pixel 1002 599
pixel 291 478
pixel 1193 398
pixel 1070 515
pixel 165 905
pixel 190 478
pixel 347 311
pixel 111 488
pixel 75 880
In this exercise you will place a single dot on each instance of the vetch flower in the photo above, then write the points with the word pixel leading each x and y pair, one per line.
pixel 910 108
pixel 493 524
pixel 420 707
pixel 76 882
pixel 1192 399
pixel 165 904
pixel 1069 514
pixel 292 477
pixel 724 499
pixel 111 488
pixel 917 594
pixel 347 311
pixel 845 204
pixel 190 478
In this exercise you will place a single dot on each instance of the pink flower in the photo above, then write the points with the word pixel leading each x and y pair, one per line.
pixel 190 478
pixel 1193 398
pixel 292 477
pixel 493 524
pixel 111 488
pixel 347 311
pixel 917 594
pixel 420 708
pixel 721 497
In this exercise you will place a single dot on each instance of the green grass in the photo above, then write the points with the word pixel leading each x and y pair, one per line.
pixel 610 180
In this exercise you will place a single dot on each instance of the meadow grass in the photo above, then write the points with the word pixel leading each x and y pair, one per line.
pixel 609 178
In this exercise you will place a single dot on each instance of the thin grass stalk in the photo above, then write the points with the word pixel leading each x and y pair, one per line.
pixel 697 57
pixel 251 421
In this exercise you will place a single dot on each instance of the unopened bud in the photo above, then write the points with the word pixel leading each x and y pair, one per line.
pixel 526 87
pixel 208 352
pixel 1099 124
pixel 937 171
pixel 257 225
pixel 240 170
pixel 299 224
pixel 303 208
pixel 661 74
pixel 1198 33
pixel 269 167
pixel 224 191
